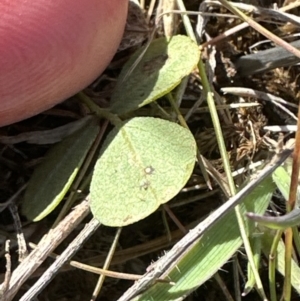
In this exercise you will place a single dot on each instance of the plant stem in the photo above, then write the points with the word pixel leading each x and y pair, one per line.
pixel 101 113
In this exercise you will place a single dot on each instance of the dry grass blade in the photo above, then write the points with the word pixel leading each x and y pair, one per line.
pixel 46 246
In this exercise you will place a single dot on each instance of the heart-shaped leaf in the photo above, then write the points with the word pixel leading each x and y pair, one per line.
pixel 159 71
pixel 143 164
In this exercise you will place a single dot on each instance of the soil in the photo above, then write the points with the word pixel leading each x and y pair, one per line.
pixel 144 242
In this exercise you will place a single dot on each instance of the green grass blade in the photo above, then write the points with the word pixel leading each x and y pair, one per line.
pixel 212 251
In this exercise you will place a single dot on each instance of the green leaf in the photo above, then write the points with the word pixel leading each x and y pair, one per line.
pixel 160 70
pixel 282 178
pixel 211 252
pixel 143 164
pixel 54 176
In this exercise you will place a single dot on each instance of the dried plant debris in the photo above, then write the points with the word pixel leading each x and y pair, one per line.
pixel 137 29
pixel 243 129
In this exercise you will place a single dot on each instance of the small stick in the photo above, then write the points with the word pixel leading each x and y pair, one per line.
pixel 7 277
pixel 46 246
pixel 22 248
pixel 106 265
pixel 99 271
pixel 68 253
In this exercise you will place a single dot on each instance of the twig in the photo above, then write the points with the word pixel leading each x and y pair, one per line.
pixel 7 277
pixel 96 270
pixel 277 101
pixel 23 252
pixel 46 246
pixel 106 264
pixel 73 247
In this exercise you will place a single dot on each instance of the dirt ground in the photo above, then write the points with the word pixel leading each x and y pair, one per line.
pixel 247 141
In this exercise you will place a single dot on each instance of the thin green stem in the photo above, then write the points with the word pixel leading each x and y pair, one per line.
pixel 184 124
pixel 255 240
pixel 222 148
pixel 107 262
pixel 101 113
pixel 186 20
pixel 249 252
pixel 272 265
pixel 217 127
